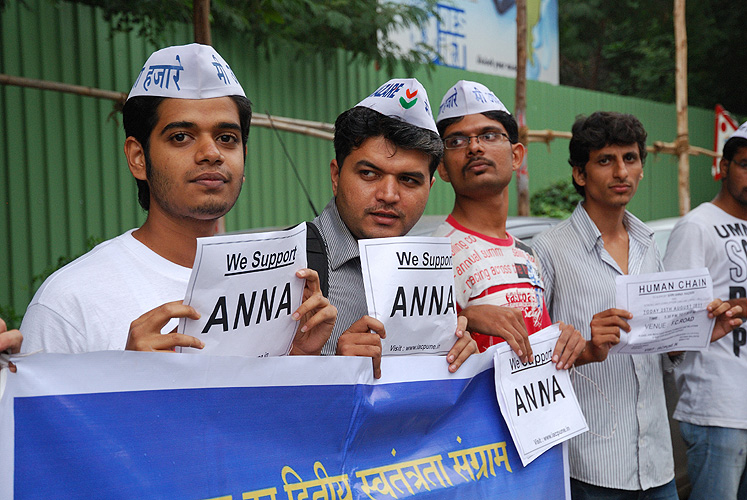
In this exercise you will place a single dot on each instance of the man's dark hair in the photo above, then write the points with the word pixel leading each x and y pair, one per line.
pixel 732 147
pixel 601 129
pixel 505 119
pixel 356 125
pixel 140 115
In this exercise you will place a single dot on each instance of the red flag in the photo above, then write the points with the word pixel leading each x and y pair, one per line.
pixel 725 126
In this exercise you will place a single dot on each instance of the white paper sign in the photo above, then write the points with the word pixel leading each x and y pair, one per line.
pixel 245 288
pixel 669 311
pixel 409 284
pixel 536 399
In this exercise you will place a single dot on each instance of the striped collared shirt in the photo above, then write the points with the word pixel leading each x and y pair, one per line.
pixel 579 277
pixel 346 290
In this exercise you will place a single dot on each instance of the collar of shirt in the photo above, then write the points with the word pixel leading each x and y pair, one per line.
pixel 641 237
pixel 343 247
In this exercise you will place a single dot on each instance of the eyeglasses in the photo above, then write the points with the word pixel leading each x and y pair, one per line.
pixel 462 141
pixel 741 164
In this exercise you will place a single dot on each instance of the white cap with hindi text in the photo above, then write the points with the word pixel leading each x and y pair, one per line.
pixel 191 71
pixel 467 98
pixel 403 98
pixel 741 131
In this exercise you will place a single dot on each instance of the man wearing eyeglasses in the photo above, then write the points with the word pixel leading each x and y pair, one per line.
pixel 712 409
pixel 498 286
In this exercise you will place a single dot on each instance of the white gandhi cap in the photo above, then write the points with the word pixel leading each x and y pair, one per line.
pixel 191 71
pixel 741 131
pixel 468 98
pixel 403 98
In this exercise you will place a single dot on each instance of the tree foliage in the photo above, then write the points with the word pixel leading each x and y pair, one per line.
pixel 627 47
pixel 558 200
pixel 716 55
pixel 624 47
pixel 301 27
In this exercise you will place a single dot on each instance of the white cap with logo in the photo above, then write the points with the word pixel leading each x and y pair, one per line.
pixel 191 71
pixel 467 98
pixel 403 98
pixel 741 131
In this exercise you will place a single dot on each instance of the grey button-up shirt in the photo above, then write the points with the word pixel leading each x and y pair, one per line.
pixel 346 290
pixel 628 407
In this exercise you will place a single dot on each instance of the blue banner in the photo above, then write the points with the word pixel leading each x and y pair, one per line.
pixel 146 425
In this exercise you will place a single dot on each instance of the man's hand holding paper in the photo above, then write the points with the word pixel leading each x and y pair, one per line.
pixel 145 332
pixel 503 322
pixel 537 399
pixel 409 291
pixel 463 348
pixel 568 348
pixel 316 317
pixel 728 317
pixel 363 338
pixel 248 295
pixel 667 312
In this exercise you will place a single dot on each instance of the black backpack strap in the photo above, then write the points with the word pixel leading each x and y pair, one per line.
pixel 316 255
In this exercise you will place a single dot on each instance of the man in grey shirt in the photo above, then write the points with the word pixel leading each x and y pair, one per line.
pixel 386 152
pixel 628 453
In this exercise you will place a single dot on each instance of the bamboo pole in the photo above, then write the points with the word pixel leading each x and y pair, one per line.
pixel 263 121
pixel 672 149
pixel 547 136
pixel 320 130
pixel 201 22
pixel 520 110
pixel 19 81
pixel 327 127
pixel 682 143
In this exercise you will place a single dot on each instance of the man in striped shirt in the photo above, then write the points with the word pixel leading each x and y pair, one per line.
pixel 627 454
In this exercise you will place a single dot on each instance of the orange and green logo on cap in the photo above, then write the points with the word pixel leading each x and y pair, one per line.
pixel 411 99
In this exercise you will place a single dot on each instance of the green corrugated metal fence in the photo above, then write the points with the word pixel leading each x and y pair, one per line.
pixel 63 177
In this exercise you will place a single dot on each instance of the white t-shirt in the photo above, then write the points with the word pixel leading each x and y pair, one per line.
pixel 88 305
pixel 711 382
pixel 495 271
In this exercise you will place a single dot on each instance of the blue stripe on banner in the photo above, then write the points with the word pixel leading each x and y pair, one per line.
pixel 436 439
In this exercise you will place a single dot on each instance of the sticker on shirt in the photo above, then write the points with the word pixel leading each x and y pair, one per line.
pixel 245 288
pixel 409 283
pixel 536 399
pixel 669 311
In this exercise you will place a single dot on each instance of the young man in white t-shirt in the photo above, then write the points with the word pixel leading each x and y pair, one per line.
pixel 712 408
pixel 187 122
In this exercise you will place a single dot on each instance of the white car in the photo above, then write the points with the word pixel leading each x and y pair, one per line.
pixel 662 229
pixel 526 228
